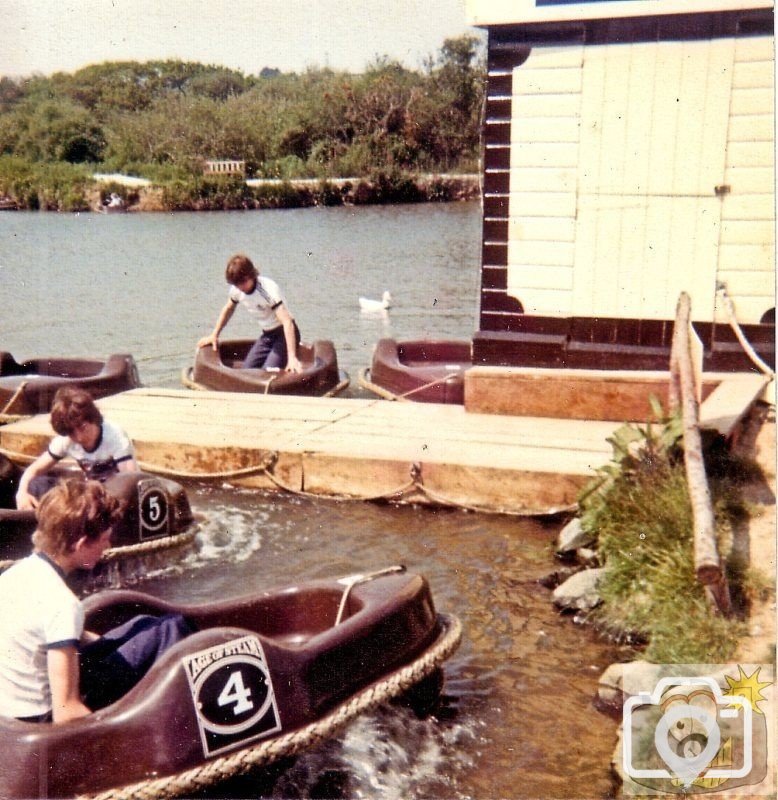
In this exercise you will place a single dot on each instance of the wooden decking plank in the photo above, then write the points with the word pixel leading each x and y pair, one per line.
pixel 509 457
pixel 534 433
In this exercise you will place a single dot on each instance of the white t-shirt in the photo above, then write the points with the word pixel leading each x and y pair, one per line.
pixel 39 612
pixel 113 447
pixel 262 302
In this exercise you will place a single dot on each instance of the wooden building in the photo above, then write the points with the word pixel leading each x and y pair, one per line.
pixel 629 156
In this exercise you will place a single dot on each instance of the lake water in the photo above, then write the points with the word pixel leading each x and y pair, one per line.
pixel 516 719
pixel 153 284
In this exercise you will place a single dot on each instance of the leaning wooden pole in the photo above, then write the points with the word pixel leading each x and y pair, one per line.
pixel 707 562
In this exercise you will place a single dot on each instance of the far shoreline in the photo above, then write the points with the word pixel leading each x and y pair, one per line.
pixel 255 194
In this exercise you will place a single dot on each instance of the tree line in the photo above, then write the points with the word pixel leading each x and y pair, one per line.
pixel 162 119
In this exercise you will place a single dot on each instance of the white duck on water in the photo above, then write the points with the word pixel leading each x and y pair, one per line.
pixel 366 304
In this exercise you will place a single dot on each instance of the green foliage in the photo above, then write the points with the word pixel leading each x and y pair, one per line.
pixel 640 512
pixel 53 187
pixel 636 450
pixel 141 117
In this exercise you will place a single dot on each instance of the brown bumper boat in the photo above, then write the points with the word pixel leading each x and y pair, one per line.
pixel 221 371
pixel 425 371
pixel 265 676
pixel 29 387
pixel 157 517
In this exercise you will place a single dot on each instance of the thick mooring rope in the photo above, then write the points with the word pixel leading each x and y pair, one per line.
pixel 366 383
pixel 9 408
pixel 729 307
pixel 264 753
pixel 415 483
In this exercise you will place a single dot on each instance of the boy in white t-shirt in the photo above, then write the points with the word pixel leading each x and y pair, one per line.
pixel 51 669
pixel 98 446
pixel 276 347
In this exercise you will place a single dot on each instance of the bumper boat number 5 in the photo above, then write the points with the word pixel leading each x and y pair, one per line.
pixel 154 509
pixel 232 694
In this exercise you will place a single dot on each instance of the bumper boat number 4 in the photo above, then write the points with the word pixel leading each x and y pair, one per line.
pixel 232 694
pixel 264 676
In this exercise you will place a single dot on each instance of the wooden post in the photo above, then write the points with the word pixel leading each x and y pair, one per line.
pixel 707 563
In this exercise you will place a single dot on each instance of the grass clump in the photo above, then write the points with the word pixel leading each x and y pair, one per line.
pixel 639 510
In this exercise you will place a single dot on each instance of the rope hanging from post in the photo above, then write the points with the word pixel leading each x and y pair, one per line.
pixel 729 307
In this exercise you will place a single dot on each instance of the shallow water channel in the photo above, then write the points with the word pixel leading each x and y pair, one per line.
pixel 516 718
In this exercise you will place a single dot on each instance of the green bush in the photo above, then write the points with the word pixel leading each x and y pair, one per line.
pixel 56 186
pixel 640 512
pixel 282 195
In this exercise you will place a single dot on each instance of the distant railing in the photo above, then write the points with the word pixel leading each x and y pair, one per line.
pixel 224 167
pixel 684 391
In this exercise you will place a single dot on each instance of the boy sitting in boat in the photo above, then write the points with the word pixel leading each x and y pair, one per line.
pixel 51 670
pixel 98 446
pixel 276 348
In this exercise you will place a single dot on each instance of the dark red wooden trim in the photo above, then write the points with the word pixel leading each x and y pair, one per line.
pixel 497 183
pixel 496 206
pixel 500 86
pixel 497 157
pixel 500 301
pixel 494 277
pixel 499 109
pixel 495 230
pixel 619 344
pixel 496 255
pixel 505 40
pixel 497 132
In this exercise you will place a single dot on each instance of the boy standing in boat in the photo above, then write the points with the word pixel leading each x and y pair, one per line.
pixel 51 669
pixel 98 446
pixel 276 348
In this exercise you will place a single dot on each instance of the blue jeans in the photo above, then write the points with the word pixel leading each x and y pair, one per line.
pixel 114 663
pixel 269 351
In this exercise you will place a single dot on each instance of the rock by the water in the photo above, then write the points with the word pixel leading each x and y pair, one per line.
pixel 571 537
pixel 579 592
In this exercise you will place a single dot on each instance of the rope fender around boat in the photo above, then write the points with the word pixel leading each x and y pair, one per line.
pixel 266 752
pixel 140 549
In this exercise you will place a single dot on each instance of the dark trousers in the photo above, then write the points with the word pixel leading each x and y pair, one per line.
pixel 113 664
pixel 269 351
pixel 41 484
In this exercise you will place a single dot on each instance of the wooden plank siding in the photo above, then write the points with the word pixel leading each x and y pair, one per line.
pixel 747 240
pixel 544 176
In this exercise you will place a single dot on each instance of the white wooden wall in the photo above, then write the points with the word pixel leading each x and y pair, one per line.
pixel 747 241
pixel 617 152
